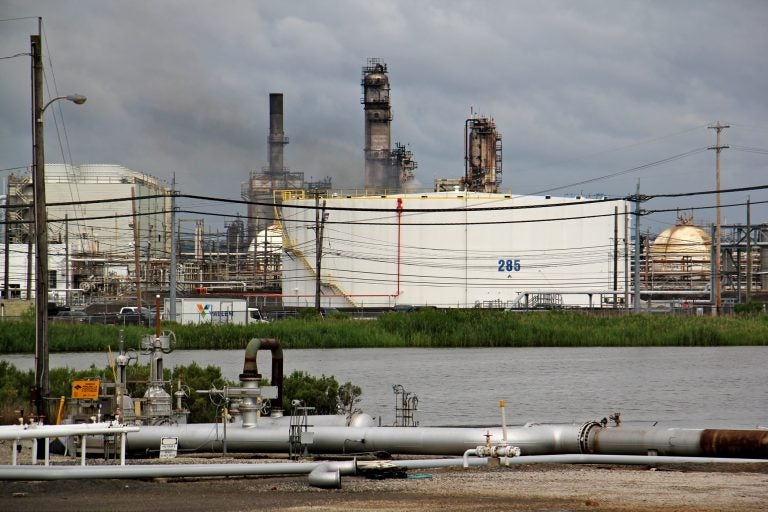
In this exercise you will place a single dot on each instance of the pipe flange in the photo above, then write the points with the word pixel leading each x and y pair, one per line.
pixel 584 432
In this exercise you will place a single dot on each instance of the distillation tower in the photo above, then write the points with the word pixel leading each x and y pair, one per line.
pixel 482 155
pixel 385 169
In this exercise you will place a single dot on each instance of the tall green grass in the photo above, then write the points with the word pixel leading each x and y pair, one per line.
pixel 425 328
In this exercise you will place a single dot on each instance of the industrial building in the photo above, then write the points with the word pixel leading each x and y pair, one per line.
pixel 454 249
pixel 93 226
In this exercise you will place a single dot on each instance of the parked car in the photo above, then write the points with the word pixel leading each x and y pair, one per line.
pixel 133 315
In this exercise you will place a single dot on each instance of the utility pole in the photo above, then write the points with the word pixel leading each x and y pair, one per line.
pixel 319 225
pixel 637 250
pixel 149 254
pixel 174 242
pixel 136 263
pixel 266 255
pixel 626 257
pixel 42 382
pixel 749 251
pixel 7 252
pixel 615 255
pixel 716 263
pixel 67 274
pixel 636 273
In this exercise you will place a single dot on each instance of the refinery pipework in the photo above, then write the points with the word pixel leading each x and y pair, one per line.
pixel 251 432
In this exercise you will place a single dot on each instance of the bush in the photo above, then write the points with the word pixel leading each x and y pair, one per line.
pixel 323 393
pixel 202 408
pixel 14 391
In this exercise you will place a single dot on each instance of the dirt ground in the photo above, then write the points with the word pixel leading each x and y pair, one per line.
pixel 535 487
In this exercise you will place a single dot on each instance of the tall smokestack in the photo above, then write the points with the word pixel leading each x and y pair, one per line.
pixel 277 138
pixel 275 176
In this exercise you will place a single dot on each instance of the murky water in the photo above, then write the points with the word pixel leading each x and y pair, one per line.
pixel 696 387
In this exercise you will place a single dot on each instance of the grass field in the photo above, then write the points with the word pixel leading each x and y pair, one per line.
pixel 424 328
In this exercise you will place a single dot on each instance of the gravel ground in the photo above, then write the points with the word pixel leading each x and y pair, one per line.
pixel 536 487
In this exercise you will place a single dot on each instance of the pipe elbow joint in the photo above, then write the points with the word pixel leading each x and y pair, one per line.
pixel 325 476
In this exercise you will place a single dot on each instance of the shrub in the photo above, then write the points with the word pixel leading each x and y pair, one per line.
pixel 323 393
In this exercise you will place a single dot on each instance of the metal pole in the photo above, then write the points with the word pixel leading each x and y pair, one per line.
pixel 318 257
pixel 42 385
pixel 174 243
pixel 7 252
pixel 615 255
pixel 626 257
pixel 66 259
pixel 266 261
pixel 637 250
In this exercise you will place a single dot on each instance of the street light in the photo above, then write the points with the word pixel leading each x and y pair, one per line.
pixel 42 382
pixel 78 99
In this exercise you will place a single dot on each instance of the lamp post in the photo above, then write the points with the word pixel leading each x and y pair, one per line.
pixel 42 383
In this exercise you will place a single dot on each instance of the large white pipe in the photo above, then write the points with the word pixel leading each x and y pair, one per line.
pixel 219 470
pixel 533 439
pixel 20 432
pixel 166 470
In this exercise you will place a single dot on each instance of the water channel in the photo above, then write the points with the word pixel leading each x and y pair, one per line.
pixel 676 386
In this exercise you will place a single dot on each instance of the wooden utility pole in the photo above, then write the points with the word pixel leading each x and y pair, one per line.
pixel 136 263
pixel 42 383
pixel 636 270
pixel 319 224
pixel 749 251
pixel 266 255
pixel 171 314
pixel 716 264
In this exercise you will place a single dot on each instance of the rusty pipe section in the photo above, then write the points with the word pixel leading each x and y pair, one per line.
pixel 251 371
pixel 677 441
pixel 734 443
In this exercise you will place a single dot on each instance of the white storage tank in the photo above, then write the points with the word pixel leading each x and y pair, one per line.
pixel 453 249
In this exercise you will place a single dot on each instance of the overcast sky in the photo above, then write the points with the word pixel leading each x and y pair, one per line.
pixel 580 90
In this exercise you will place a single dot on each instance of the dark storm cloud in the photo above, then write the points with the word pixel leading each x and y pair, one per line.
pixel 579 90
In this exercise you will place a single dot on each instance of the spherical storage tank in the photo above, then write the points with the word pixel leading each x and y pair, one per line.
pixel 681 248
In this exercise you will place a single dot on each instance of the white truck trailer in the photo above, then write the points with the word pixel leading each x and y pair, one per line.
pixel 205 310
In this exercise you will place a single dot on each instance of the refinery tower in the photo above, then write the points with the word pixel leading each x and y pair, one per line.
pixel 386 169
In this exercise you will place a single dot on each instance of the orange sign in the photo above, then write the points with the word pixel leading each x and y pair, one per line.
pixel 85 389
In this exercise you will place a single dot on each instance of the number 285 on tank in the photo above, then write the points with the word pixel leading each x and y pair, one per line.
pixel 508 265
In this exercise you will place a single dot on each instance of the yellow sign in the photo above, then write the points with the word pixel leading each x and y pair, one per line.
pixel 85 389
